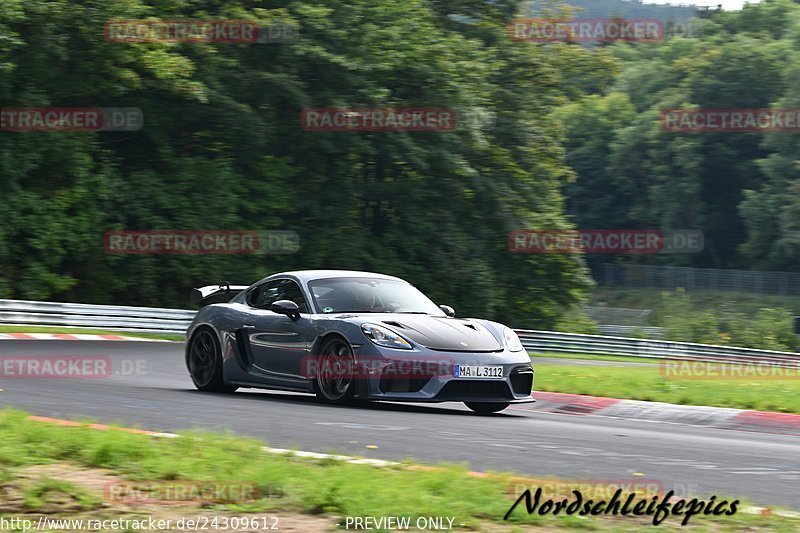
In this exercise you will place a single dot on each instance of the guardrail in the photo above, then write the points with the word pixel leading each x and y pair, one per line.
pixel 560 343
pixel 630 331
pixel 110 317
pixel 176 321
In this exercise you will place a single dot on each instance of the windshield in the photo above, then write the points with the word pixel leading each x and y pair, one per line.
pixel 369 295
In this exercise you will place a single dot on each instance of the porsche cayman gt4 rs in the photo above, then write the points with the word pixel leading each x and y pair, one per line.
pixel 348 336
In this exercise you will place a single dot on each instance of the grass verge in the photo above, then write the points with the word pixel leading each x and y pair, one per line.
pixel 73 331
pixel 596 357
pixel 648 383
pixel 322 488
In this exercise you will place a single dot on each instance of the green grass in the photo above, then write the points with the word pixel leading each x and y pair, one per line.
pixel 596 357
pixel 38 495
pixel 646 383
pixel 330 488
pixel 87 331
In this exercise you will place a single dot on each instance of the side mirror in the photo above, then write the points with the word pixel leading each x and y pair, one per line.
pixel 286 307
pixel 449 311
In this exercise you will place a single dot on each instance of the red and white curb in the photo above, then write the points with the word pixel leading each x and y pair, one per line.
pixel 695 415
pixel 72 337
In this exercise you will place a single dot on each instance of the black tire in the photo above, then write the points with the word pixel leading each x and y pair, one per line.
pixel 204 361
pixel 335 379
pixel 486 408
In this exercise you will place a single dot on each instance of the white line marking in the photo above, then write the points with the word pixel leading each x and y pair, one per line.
pixel 343 458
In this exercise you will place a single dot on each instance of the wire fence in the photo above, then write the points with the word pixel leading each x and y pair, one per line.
pixel 619 316
pixel 694 279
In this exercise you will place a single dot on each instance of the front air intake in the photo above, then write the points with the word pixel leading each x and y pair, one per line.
pixel 475 390
pixel 392 380
pixel 522 380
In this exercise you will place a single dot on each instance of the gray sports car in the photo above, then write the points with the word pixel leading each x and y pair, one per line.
pixel 346 336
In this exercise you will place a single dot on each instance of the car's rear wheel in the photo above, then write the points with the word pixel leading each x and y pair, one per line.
pixel 205 363
pixel 335 374
pixel 486 408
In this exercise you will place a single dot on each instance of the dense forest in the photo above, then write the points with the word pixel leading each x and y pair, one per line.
pixel 741 189
pixel 574 140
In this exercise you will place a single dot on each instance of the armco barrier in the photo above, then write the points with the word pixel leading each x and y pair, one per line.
pixel 176 321
pixel 109 317
pixel 631 331
pixel 560 343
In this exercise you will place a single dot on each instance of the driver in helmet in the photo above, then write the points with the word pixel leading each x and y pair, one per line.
pixel 365 298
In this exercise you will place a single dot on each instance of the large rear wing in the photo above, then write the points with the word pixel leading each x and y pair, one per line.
pixel 200 294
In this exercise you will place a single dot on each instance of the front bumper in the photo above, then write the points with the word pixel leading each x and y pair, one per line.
pixel 383 382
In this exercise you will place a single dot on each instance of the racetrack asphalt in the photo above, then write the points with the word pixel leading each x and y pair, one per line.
pixel 149 387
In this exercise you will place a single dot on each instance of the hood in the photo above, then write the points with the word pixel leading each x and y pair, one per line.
pixel 440 333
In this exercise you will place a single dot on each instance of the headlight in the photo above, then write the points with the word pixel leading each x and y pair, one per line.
pixel 512 341
pixel 384 337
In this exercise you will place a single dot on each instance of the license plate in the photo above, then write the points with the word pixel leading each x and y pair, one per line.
pixel 480 371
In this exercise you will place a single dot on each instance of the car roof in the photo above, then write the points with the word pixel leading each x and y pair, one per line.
pixel 304 276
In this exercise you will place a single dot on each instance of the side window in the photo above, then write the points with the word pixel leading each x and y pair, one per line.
pixel 259 297
pixel 262 296
pixel 291 291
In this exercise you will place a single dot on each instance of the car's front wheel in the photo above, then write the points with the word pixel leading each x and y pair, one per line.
pixel 205 363
pixel 336 371
pixel 486 408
